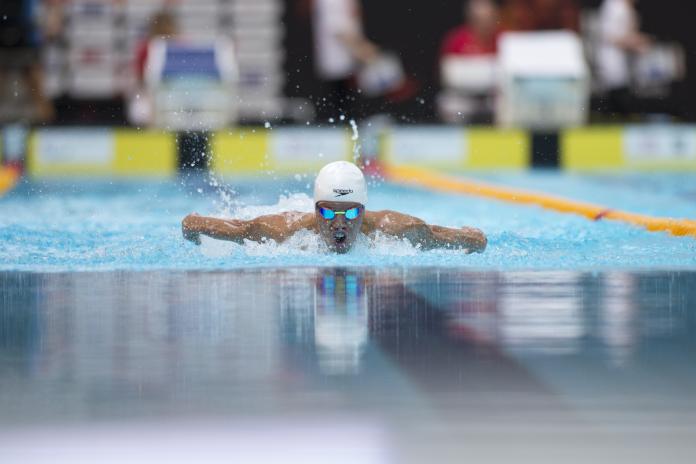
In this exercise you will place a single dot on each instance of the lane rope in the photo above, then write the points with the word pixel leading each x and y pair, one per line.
pixel 443 183
pixel 8 179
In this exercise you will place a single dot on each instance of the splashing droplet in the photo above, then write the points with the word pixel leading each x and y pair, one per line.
pixel 355 138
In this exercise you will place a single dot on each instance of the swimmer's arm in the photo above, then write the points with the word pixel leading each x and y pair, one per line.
pixel 427 236
pixel 233 230
pixel 276 227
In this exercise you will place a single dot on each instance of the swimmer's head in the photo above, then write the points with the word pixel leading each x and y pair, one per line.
pixel 340 181
pixel 340 195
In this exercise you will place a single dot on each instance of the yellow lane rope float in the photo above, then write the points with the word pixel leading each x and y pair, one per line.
pixel 8 179
pixel 443 183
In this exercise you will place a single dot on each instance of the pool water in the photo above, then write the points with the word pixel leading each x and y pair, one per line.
pixel 566 341
pixel 84 226
pixel 654 194
pixel 341 364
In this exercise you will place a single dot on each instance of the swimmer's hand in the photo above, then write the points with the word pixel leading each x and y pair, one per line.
pixel 189 230
pixel 470 239
pixel 474 239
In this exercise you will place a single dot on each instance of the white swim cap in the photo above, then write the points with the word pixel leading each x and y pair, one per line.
pixel 340 181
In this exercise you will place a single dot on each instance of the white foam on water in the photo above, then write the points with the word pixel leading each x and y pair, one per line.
pixel 308 243
pixel 386 245
pixel 303 243
pixel 213 248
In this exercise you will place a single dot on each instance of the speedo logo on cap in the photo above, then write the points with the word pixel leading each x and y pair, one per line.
pixel 342 192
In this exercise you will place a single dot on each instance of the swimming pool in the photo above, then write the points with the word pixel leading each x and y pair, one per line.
pixel 567 340
pixel 135 225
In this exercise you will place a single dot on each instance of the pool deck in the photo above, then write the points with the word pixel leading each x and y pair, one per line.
pixel 348 365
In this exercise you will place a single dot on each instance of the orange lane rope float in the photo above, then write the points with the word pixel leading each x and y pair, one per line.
pixel 444 183
pixel 8 179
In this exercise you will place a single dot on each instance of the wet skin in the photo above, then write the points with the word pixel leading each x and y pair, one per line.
pixel 339 233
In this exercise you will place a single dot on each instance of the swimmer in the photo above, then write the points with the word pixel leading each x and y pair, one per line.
pixel 340 196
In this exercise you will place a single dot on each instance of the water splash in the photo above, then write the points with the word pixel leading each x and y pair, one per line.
pixel 308 244
pixel 226 200
pixel 300 202
pixel 356 141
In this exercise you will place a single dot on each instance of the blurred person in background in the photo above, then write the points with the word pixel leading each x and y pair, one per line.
pixel 162 25
pixel 478 35
pixel 467 65
pixel 620 40
pixel 23 26
pixel 340 49
pixel 541 15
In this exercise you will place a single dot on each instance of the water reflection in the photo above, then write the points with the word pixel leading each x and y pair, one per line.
pixel 544 317
pixel 340 321
pixel 616 325
pixel 139 344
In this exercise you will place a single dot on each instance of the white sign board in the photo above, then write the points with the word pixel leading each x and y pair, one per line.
pixel 94 147
pixel 660 143
pixel 428 145
pixel 543 54
pixel 309 145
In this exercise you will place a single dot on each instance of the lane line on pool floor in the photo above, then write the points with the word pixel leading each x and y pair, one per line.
pixel 8 179
pixel 441 182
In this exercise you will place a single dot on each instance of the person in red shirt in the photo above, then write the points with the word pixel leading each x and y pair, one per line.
pixel 162 25
pixel 479 35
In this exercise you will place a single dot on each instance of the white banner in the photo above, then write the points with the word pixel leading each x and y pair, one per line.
pixel 309 145
pixel 94 147
pixel 428 145
pixel 660 143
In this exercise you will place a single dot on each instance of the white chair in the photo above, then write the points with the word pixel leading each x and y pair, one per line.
pixel 544 80
pixel 192 86
pixel 469 85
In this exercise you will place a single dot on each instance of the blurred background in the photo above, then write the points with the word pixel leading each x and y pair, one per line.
pixel 88 62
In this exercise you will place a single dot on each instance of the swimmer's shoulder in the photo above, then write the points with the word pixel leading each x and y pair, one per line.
pixel 299 220
pixel 280 226
pixel 387 216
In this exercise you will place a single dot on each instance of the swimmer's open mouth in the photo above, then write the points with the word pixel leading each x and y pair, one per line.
pixel 339 236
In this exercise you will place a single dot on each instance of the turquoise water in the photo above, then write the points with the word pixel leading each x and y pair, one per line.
pixel 80 226
pixel 661 194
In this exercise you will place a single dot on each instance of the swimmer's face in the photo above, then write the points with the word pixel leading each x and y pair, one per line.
pixel 340 232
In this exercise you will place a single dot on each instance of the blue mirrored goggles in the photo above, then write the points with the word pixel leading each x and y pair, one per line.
pixel 330 214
